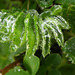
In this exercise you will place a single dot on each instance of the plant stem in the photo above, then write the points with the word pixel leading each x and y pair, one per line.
pixel 10 66
pixel 28 4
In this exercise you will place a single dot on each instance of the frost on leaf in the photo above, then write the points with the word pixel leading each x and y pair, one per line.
pixel 28 30
pixel 69 49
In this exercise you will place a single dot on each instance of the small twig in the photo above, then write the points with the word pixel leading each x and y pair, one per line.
pixel 0 72
pixel 28 4
pixel 10 66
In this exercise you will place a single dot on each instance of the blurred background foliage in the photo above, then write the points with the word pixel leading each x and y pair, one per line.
pixel 8 4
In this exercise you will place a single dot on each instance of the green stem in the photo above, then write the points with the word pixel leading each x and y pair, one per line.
pixel 28 4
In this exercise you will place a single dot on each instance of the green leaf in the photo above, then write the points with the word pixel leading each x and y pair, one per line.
pixel 49 65
pixel 45 39
pixel 54 27
pixel 44 4
pixel 46 44
pixel 55 24
pixel 71 18
pixel 62 22
pixel 69 49
pixel 20 50
pixel 51 27
pixel 68 13
pixel 30 35
pixel 5 54
pixel 31 32
pixel 36 32
pixel 27 30
pixel 18 31
pixel 42 70
pixel 7 25
pixel 54 10
pixel 17 71
pixel 54 72
pixel 31 63
pixel 53 60
pixel 68 69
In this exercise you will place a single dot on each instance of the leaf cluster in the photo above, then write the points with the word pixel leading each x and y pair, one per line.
pixel 25 32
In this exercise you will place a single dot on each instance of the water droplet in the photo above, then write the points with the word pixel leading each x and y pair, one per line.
pixel 66 55
pixel 19 70
pixel 30 57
